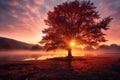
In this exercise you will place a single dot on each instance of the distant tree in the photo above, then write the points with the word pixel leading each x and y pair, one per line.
pixel 36 47
pixel 103 46
pixel 74 23
pixel 114 45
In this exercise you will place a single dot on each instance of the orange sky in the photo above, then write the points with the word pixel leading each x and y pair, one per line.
pixel 23 20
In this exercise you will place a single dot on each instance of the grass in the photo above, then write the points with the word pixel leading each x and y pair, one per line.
pixel 65 58
pixel 81 68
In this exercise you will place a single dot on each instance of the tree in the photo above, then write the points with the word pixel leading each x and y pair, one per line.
pixel 74 21
pixel 36 47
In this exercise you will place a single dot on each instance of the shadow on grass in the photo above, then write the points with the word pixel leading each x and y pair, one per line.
pixel 116 66
pixel 65 59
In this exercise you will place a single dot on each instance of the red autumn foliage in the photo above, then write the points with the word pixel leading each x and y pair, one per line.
pixel 74 20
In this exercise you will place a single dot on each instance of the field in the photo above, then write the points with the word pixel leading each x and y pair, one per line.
pixel 81 68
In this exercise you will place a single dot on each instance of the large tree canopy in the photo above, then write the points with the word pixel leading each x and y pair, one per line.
pixel 74 21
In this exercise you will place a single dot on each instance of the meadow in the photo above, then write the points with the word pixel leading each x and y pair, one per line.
pixel 102 67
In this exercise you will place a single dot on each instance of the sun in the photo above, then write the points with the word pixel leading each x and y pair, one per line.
pixel 72 43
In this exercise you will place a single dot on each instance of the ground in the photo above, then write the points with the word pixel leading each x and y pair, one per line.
pixel 81 68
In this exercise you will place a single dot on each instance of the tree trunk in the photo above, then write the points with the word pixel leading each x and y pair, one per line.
pixel 69 55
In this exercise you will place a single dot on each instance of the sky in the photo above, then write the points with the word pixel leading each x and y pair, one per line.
pixel 23 20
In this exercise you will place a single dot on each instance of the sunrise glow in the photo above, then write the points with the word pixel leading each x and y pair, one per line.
pixel 59 39
pixel 80 46
pixel 28 17
pixel 72 43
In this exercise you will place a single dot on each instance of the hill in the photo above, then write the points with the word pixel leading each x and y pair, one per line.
pixel 8 44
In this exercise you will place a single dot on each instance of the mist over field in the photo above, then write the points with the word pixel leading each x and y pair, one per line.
pixel 41 55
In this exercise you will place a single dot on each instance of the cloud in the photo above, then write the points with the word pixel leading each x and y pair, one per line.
pixel 24 19
pixel 13 2
pixel 111 8
pixel 39 1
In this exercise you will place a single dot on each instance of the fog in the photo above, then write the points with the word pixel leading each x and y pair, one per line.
pixel 41 55
pixel 30 55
